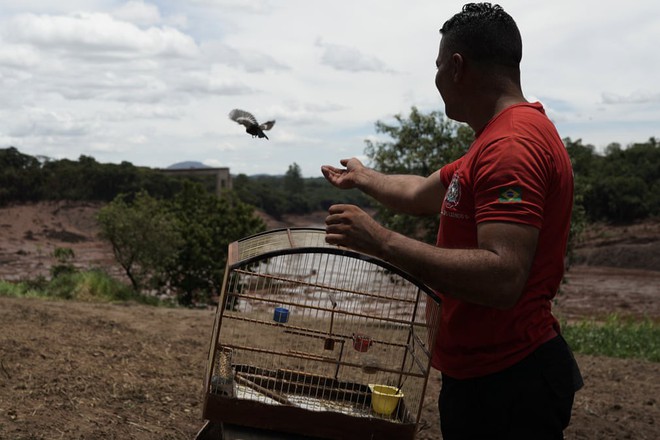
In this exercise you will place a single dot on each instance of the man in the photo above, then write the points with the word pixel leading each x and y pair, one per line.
pixel 505 210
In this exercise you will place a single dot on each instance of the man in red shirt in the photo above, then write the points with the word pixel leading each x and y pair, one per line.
pixel 505 211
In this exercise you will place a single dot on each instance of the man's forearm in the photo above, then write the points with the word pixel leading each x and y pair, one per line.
pixel 477 276
pixel 398 192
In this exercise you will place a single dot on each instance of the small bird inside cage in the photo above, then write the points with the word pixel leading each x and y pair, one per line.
pixel 250 122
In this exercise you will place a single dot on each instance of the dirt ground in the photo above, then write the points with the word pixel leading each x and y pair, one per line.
pixel 74 370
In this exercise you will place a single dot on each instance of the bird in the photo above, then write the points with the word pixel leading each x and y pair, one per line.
pixel 250 123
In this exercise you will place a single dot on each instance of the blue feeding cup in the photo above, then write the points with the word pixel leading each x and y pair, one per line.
pixel 281 315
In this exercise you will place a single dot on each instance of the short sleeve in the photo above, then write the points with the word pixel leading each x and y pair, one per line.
pixel 511 182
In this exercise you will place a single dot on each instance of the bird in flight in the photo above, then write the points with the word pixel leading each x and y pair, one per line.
pixel 250 123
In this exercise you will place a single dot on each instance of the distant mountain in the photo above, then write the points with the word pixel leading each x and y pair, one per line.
pixel 187 165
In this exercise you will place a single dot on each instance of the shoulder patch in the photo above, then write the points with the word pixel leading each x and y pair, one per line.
pixel 510 194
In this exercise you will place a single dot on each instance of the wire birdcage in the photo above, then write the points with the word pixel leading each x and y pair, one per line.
pixel 314 339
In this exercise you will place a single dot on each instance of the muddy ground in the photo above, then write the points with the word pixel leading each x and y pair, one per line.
pixel 74 370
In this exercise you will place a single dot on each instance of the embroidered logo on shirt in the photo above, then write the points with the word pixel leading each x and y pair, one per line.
pixel 510 194
pixel 453 195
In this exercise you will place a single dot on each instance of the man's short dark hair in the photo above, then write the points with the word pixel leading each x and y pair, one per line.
pixel 485 34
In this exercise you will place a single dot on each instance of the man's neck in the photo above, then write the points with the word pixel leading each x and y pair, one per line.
pixel 489 103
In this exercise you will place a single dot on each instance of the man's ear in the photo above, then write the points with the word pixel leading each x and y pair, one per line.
pixel 458 66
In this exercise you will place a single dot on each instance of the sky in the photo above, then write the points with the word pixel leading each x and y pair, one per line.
pixel 152 82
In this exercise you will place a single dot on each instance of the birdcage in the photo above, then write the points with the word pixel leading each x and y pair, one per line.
pixel 314 339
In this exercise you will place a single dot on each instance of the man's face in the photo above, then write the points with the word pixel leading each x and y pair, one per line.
pixel 443 77
pixel 441 67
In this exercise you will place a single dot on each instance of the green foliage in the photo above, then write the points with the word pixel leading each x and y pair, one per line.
pixel 20 290
pixel 19 176
pixel 293 181
pixel 179 245
pixel 420 144
pixel 91 286
pixel 145 238
pixel 294 189
pixel 321 195
pixel 87 286
pixel 578 225
pixel 615 338
pixel 26 178
pixel 279 195
pixel 208 225
pixel 620 185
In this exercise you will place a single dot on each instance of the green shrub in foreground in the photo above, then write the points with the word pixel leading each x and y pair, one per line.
pixel 22 290
pixel 91 286
pixel 615 337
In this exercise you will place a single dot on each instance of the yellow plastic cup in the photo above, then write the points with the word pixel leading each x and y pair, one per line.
pixel 384 398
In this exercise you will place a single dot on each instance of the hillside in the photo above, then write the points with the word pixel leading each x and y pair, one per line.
pixel 635 246
pixel 29 233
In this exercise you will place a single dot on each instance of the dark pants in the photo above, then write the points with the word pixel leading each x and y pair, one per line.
pixel 532 399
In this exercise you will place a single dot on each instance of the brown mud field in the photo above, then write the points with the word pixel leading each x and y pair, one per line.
pixel 75 370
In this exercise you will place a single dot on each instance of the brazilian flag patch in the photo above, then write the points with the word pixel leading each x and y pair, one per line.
pixel 510 194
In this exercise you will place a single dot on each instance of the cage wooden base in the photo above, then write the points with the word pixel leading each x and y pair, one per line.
pixel 291 419
pixel 288 417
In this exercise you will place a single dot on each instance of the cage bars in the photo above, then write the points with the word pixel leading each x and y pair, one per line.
pixel 350 321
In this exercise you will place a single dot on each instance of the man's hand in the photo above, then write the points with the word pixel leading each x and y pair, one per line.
pixel 351 227
pixel 345 178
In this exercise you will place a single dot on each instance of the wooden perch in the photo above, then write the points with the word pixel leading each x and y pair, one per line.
pixel 270 393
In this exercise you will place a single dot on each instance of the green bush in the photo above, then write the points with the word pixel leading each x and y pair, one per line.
pixel 91 286
pixel 19 290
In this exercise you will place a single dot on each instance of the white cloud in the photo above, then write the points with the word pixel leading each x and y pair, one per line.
pixel 637 97
pixel 349 59
pixel 205 83
pixel 138 12
pixel 248 59
pixel 245 6
pixel 88 34
pixel 39 122
pixel 18 55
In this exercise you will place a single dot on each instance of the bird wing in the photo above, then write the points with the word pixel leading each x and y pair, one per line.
pixel 267 125
pixel 243 117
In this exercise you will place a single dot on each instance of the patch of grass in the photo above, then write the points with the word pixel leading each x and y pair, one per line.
pixel 21 289
pixel 615 337
pixel 91 286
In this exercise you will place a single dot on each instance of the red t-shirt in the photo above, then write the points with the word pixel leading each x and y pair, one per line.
pixel 517 170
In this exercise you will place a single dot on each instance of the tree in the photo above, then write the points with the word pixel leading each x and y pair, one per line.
pixel 420 144
pixel 293 181
pixel 20 176
pixel 144 236
pixel 583 161
pixel 294 187
pixel 619 198
pixel 619 185
pixel 208 224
